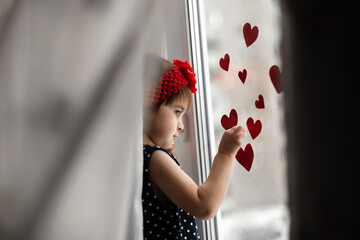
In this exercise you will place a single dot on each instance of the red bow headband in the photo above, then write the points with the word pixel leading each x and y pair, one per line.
pixel 182 74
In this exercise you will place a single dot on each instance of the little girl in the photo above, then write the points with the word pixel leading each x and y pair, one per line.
pixel 171 199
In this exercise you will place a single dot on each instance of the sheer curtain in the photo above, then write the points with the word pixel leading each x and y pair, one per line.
pixel 70 117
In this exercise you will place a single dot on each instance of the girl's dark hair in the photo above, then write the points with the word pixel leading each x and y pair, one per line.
pixel 183 94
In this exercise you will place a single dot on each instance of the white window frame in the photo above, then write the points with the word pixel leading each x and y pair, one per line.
pixel 202 110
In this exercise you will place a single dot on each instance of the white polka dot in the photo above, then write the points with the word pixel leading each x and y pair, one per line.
pixel 184 220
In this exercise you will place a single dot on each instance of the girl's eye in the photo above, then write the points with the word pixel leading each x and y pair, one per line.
pixel 177 112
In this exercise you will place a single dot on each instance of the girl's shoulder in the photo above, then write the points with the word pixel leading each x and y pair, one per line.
pixel 150 149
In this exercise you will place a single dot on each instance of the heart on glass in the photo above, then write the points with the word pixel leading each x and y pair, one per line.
pixel 245 157
pixel 260 104
pixel 274 73
pixel 242 75
pixel 231 121
pixel 224 62
pixel 254 128
pixel 250 34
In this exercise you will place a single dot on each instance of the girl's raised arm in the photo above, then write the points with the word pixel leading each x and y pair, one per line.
pixel 202 202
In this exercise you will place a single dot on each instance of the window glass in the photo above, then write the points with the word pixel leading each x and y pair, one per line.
pixel 255 206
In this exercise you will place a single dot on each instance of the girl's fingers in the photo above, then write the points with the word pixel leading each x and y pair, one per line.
pixel 238 130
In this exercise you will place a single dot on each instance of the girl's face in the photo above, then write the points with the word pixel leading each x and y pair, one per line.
pixel 163 126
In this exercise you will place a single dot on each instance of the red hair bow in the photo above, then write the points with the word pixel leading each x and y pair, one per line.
pixel 188 71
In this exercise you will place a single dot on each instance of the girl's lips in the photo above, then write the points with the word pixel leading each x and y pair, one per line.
pixel 175 137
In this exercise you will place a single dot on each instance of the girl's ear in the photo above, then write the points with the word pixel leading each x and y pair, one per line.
pixel 148 116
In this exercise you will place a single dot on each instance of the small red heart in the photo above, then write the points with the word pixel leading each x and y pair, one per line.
pixel 250 34
pixel 242 75
pixel 274 73
pixel 245 158
pixel 260 104
pixel 224 62
pixel 229 122
pixel 254 128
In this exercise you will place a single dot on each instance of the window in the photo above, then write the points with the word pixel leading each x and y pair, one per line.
pixel 255 204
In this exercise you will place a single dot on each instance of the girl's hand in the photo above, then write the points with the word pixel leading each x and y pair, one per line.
pixel 231 141
pixel 172 151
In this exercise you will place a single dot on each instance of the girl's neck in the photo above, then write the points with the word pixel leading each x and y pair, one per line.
pixel 147 140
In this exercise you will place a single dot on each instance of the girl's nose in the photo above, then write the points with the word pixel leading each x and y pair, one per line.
pixel 180 126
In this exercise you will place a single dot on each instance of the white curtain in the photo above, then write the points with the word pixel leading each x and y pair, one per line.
pixel 70 117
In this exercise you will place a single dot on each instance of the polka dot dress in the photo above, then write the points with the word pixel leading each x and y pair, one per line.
pixel 162 222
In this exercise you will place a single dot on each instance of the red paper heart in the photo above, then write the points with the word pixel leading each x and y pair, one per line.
pixel 250 34
pixel 254 128
pixel 260 104
pixel 242 75
pixel 229 122
pixel 245 158
pixel 224 62
pixel 274 73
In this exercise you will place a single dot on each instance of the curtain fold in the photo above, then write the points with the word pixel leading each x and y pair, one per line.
pixel 71 118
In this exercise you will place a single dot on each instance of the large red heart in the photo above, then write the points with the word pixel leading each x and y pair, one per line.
pixel 229 122
pixel 260 104
pixel 274 73
pixel 242 75
pixel 250 34
pixel 254 128
pixel 224 62
pixel 245 158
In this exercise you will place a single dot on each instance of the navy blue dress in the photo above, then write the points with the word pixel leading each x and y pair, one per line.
pixel 160 221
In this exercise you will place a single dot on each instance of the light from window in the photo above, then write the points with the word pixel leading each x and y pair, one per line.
pixel 255 206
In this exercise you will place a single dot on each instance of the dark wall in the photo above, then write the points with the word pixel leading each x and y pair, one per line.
pixel 321 81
